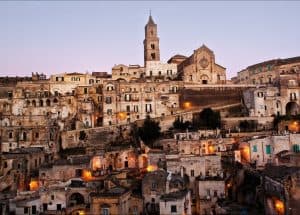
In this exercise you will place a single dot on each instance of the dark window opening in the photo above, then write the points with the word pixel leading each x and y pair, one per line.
pixel 153 56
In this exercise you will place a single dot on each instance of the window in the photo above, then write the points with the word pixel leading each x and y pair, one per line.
pixel 268 149
pixel 153 185
pixel 153 56
pixel 296 148
pixel 52 197
pixel 10 135
pixel 148 108
pixel 26 210
pixel 24 136
pixel 33 209
pixel 260 94
pixel 254 148
pixel 136 108
pixel 108 100
pixel 127 97
pixel 78 172
pixel 109 111
pixel 128 108
pixel 192 173
pixel 104 211
pixel 85 90
pixel 150 73
pixel 37 135
pixel 152 46
pixel 159 73
pixel 173 208
pixel 135 210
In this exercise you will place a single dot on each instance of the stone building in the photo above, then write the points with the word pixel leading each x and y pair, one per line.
pixel 272 101
pixel 209 190
pixel 281 190
pixel 269 72
pixel 112 200
pixel 175 203
pixel 125 102
pixel 263 150
pixel 200 67
pixel 127 73
pixel 158 183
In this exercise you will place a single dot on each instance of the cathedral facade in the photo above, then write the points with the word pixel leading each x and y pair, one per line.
pixel 200 67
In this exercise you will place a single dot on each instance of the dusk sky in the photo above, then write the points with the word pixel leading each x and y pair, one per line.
pixel 55 37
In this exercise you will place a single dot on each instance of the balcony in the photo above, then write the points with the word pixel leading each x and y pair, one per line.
pixel 148 99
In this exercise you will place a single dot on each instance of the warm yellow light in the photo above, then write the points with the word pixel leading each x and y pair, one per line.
pixel 121 115
pixel 279 206
pixel 81 212
pixel 33 185
pixel 87 175
pixel 246 150
pixel 187 105
pixel 229 185
pixel 151 168
pixel 96 163
pixel 211 149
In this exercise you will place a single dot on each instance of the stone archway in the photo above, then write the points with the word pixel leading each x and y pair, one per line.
pixel 204 79
pixel 292 108
pixel 76 199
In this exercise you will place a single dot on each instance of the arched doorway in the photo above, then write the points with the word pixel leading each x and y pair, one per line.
pixel 204 79
pixel 76 199
pixel 292 108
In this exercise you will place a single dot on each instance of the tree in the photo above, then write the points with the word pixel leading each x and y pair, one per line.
pixel 248 125
pixel 180 125
pixel 207 118
pixel 150 131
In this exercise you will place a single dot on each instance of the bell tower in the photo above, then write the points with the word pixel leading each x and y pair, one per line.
pixel 151 42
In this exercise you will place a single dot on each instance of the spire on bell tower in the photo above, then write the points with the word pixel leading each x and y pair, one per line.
pixel 151 42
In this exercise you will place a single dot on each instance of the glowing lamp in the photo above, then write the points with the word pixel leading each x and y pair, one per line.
pixel 87 175
pixel 279 206
pixel 33 185
pixel 211 149
pixel 187 105
pixel 121 115
pixel 151 168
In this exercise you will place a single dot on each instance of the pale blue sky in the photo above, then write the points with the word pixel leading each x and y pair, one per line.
pixel 54 37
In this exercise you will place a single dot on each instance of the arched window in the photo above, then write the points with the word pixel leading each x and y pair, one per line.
pixel 33 103
pixel 24 136
pixel 41 103
pixel 55 100
pixel 48 103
